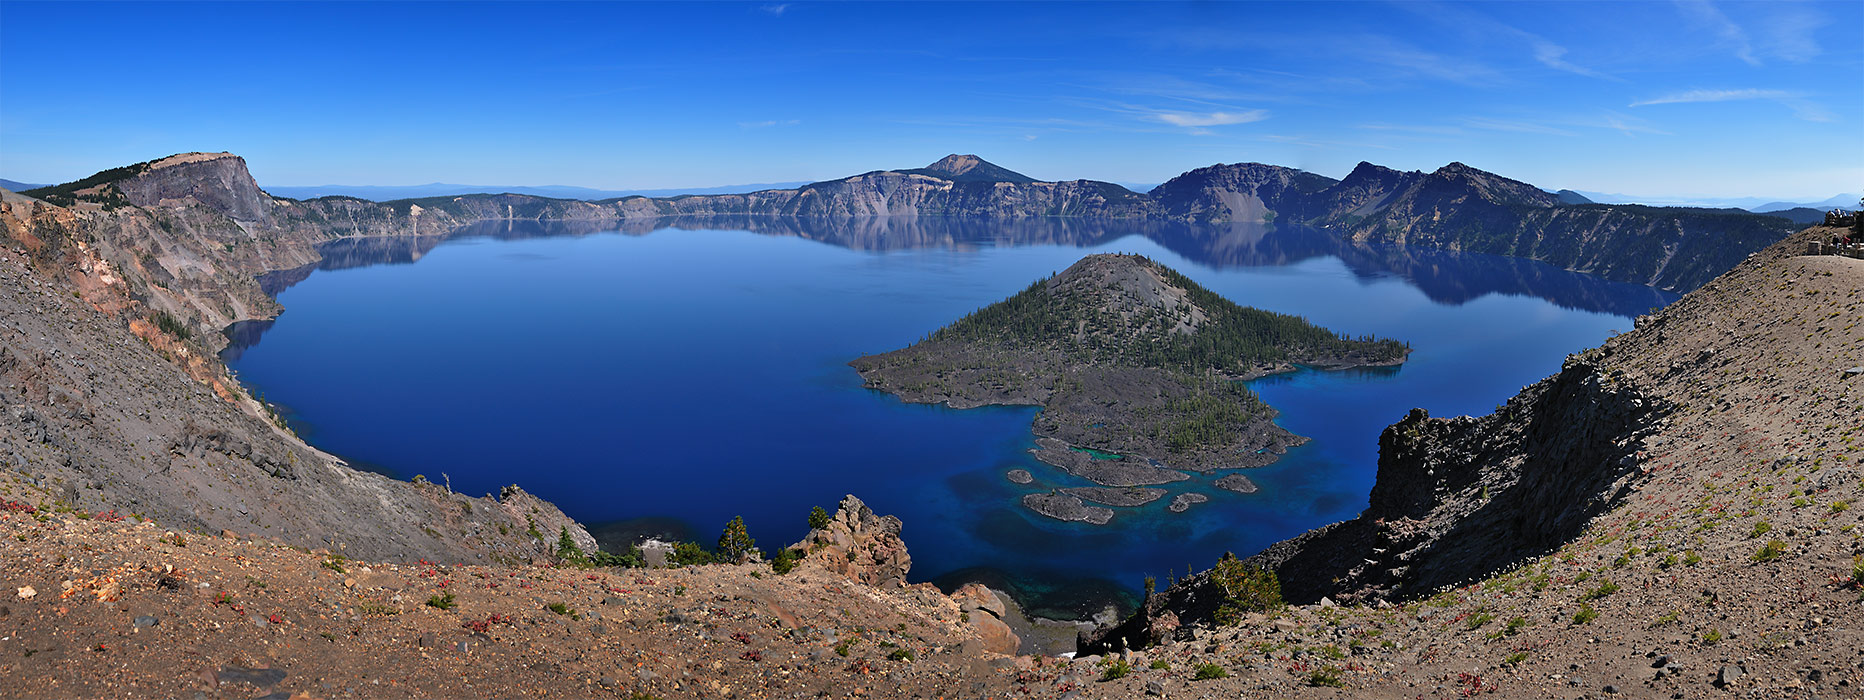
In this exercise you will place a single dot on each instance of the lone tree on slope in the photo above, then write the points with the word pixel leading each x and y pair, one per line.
pixel 735 544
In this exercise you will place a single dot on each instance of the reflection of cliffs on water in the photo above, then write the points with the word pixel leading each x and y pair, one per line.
pixel 1443 276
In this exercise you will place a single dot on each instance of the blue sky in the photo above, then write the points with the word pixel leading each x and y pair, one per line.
pixel 1686 99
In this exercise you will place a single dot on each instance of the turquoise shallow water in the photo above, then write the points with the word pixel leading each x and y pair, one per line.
pixel 667 380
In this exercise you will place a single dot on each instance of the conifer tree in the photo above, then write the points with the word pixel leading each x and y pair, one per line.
pixel 735 544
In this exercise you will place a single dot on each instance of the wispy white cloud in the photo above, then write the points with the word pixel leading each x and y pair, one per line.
pixel 775 9
pixel 1789 30
pixel 1732 37
pixel 1404 58
pixel 1519 127
pixel 1629 126
pixel 1553 56
pixel 1194 120
pixel 1802 107
pixel 769 123
pixel 1715 96
pixel 1301 140
pixel 1480 28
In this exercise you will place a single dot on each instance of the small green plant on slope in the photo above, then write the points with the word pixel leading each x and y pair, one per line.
pixel 1116 668
pixel 785 561
pixel 818 518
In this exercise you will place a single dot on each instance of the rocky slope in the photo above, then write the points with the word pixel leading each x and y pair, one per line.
pixel 1669 516
pixel 114 400
pixel 1135 367
pixel 103 607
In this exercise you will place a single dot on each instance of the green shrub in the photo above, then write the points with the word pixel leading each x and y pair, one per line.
pixel 1760 528
pixel 443 602
pixel 558 608
pixel 1515 659
pixel 690 554
pixel 1159 665
pixel 1116 668
pixel 1603 590
pixel 1712 636
pixel 1586 614
pixel 1326 676
pixel 1770 551
pixel 1245 589
pixel 785 561
pixel 634 558
pixel 1478 619
pixel 900 654
pixel 818 518
pixel 1207 672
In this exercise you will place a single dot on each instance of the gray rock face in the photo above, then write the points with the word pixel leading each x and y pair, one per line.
pixel 218 180
pixel 858 544
pixel 1460 498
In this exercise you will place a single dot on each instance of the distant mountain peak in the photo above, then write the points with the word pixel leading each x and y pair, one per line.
pixel 955 164
pixel 970 168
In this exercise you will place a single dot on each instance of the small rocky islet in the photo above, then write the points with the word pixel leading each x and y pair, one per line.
pixel 1140 374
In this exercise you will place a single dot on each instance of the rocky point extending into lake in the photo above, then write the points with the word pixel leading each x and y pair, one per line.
pixel 1138 369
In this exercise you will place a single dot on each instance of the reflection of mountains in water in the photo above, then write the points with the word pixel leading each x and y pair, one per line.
pixel 1444 276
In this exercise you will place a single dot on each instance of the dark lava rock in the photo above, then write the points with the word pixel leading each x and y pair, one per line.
pixel 147 621
pixel 1184 501
pixel 1061 506
pixel 256 676
pixel 1729 674
pixel 1106 495
pixel 1238 483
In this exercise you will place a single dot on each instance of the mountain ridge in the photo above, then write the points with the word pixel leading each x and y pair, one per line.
pixel 1455 207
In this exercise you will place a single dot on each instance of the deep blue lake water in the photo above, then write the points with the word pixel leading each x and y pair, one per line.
pixel 668 380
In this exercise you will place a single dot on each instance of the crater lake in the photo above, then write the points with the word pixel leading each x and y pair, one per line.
pixel 664 379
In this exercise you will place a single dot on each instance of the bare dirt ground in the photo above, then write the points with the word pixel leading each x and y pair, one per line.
pixel 120 609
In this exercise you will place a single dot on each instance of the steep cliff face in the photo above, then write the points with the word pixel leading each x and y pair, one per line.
pixel 218 181
pixel 1458 499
